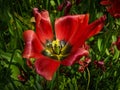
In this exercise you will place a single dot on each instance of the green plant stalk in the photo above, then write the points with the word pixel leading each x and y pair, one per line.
pixel 11 59
pixel 12 83
pixel 88 83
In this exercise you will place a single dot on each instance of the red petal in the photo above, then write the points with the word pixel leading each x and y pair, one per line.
pixel 95 27
pixel 46 67
pixel 74 56
pixel 67 27
pixel 105 2
pixel 43 25
pixel 79 34
pixel 32 46
pixel 89 31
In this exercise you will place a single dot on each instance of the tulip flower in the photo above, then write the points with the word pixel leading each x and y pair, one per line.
pixel 112 7
pixel 61 45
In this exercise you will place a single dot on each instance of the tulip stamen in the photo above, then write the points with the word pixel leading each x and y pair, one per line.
pixel 54 49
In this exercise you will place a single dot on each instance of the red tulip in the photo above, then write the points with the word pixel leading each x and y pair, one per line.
pixel 61 46
pixel 112 7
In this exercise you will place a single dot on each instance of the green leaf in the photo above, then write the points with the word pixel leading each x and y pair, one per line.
pixel 99 43
pixel 18 58
pixel 116 54
pixel 52 2
pixel 70 84
pixel 15 71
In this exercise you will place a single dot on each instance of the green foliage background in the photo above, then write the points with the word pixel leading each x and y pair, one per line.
pixel 15 18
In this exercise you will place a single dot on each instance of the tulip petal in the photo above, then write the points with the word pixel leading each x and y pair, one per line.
pixel 43 25
pixel 66 27
pixel 105 2
pixel 89 31
pixel 46 67
pixel 74 56
pixel 95 27
pixel 32 47
pixel 78 36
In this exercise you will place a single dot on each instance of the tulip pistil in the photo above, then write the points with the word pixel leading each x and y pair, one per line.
pixel 55 49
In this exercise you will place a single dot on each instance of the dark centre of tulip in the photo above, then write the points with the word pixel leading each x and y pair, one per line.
pixel 56 49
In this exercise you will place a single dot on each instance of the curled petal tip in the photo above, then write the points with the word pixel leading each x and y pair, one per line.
pixel 35 9
pixel 102 19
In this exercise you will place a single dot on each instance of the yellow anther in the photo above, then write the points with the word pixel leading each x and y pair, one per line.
pixel 55 43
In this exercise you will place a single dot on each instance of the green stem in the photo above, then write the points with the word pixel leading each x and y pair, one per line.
pixel 88 79
pixel 11 59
